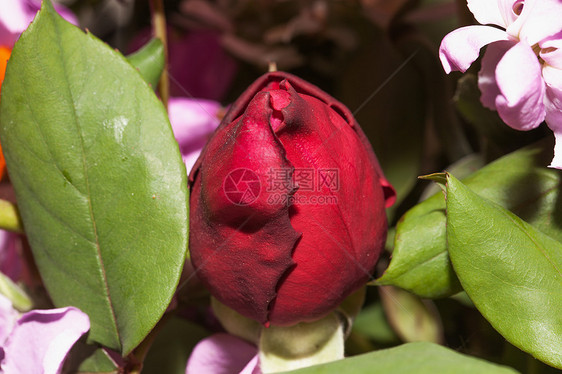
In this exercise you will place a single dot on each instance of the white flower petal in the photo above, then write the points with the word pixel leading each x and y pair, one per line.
pixel 539 20
pixel 487 12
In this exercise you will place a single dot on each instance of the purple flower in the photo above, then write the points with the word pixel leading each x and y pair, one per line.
pixel 223 354
pixel 16 16
pixel 521 74
pixel 193 122
pixel 39 340
pixel 198 64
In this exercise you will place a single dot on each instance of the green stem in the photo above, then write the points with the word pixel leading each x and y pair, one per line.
pixel 9 217
pixel 159 27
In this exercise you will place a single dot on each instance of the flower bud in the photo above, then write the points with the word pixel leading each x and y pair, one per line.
pixel 287 204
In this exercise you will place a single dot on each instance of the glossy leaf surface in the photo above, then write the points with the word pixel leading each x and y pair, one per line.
pixel 519 182
pixel 419 358
pixel 99 180
pixel 511 271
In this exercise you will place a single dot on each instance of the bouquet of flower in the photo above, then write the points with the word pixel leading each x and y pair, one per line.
pixel 284 186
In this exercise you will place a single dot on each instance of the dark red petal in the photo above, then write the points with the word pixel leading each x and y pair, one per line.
pixel 241 248
pixel 342 235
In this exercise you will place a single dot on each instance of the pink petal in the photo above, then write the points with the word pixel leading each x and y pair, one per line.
pixel 41 340
pixel 193 121
pixel 490 11
pixel 518 75
pixel 461 47
pixel 220 354
pixel 539 19
pixel 487 75
pixel 14 18
pixel 253 366
pixel 8 318
pixel 17 14
pixel 551 51
pixel 553 103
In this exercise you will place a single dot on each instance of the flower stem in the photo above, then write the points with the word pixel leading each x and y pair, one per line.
pixel 159 28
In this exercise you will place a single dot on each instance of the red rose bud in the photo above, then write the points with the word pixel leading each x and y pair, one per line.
pixel 287 204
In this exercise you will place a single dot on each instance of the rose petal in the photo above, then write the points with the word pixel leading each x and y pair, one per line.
pixel 229 195
pixel 490 11
pixel 539 20
pixel 41 340
pixel 461 47
pixel 221 354
pixel 487 74
pixel 193 121
pixel 518 75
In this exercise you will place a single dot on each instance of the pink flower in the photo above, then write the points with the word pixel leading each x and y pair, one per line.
pixel 39 340
pixel 223 354
pixel 521 74
pixel 16 16
pixel 198 64
pixel 193 122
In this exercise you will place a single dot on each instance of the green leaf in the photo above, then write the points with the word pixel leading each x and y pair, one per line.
pixel 98 362
pixel 519 182
pixel 89 359
pixel 462 168
pixel 149 61
pixel 511 271
pixel 99 179
pixel 420 263
pixel 419 358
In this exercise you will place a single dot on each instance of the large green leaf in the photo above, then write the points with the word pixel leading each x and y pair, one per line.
pixel 419 358
pixel 519 182
pixel 99 179
pixel 511 271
